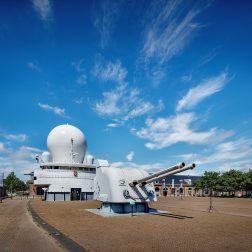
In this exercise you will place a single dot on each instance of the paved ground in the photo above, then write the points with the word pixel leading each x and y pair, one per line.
pixel 18 232
pixel 189 228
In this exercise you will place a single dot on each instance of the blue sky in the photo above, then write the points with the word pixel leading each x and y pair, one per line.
pixel 150 83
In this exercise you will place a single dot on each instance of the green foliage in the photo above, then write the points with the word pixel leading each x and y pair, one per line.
pixel 230 181
pixel 13 184
pixel 210 180
pixel 247 181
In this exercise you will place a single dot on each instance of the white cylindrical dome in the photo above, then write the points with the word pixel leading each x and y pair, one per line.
pixel 46 157
pixel 89 159
pixel 67 144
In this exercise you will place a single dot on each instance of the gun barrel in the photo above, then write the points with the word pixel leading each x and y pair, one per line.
pixel 189 167
pixel 157 174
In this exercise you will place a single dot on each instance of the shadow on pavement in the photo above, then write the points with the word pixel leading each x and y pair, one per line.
pixel 176 216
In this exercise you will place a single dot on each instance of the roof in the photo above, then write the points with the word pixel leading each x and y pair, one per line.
pixel 177 179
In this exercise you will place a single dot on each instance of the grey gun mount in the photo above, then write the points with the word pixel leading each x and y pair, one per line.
pixel 162 174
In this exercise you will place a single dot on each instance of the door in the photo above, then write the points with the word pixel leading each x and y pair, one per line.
pixel 75 193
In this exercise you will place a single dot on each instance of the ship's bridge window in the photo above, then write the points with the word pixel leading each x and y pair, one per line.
pixel 47 167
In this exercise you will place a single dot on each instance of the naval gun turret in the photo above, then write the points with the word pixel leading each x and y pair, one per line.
pixel 122 189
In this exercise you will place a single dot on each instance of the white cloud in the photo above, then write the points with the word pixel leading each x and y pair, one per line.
pixel 224 156
pixel 113 125
pixel 138 111
pixel 188 157
pixel 186 78
pixel 24 152
pixel 56 110
pixel 109 105
pixel 109 71
pixel 78 66
pixel 130 156
pixel 170 29
pixel 210 56
pixel 43 9
pixel 157 75
pixel 203 90
pixel 148 167
pixel 221 135
pixel 82 79
pixel 19 160
pixel 143 108
pixel 2 148
pixel 18 137
pixel 31 149
pixel 34 66
pixel 242 165
pixel 78 100
pixel 164 132
pixel 105 20
pixel 124 103
pixel 232 150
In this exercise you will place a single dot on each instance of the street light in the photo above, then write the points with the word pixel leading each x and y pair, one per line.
pixel 181 188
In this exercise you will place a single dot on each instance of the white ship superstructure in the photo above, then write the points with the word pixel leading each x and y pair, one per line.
pixel 66 173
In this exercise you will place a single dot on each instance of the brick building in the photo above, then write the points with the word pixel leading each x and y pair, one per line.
pixel 176 185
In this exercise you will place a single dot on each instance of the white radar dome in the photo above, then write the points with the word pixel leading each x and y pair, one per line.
pixel 89 159
pixel 46 157
pixel 67 144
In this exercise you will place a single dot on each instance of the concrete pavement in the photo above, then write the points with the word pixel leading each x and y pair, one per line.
pixel 18 232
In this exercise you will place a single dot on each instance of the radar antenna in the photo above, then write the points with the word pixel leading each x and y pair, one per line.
pixel 73 154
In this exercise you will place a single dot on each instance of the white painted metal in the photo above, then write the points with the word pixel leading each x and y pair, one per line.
pixel 46 157
pixel 117 188
pixel 67 144
pixel 63 171
pixel 189 167
pixel 89 159
pixel 62 168
pixel 158 174
pixel 112 185
pixel 64 180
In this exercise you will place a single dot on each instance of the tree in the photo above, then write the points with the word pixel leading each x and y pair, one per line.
pixel 232 181
pixel 209 182
pixel 13 183
pixel 198 184
pixel 247 182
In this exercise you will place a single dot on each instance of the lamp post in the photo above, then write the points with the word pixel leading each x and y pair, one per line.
pixel 181 188
pixel 210 201
pixel 3 190
pixel 11 189
pixel 163 180
pixel 173 188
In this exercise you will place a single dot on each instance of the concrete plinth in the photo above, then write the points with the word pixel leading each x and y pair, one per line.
pixel 124 207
